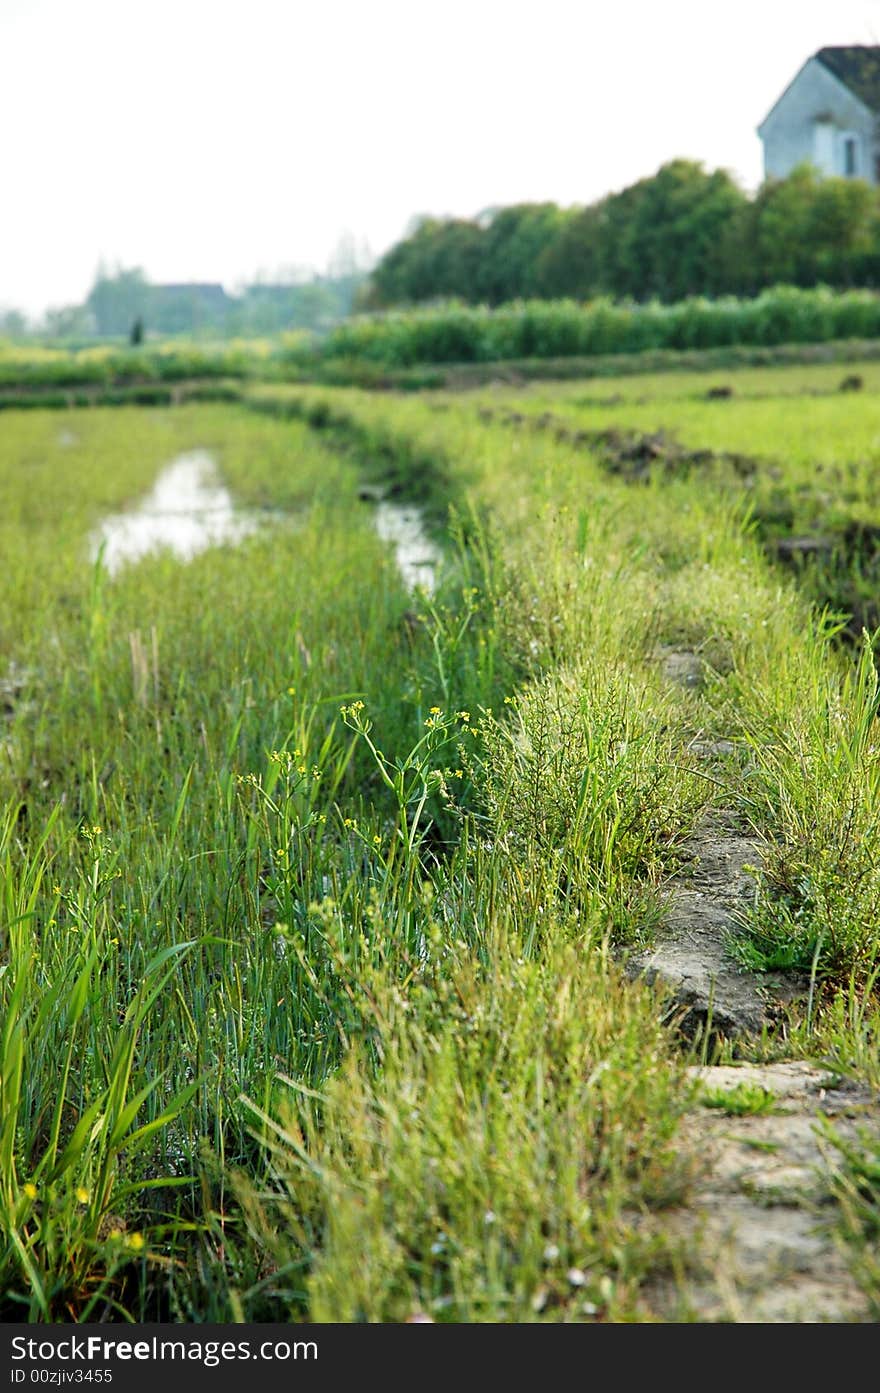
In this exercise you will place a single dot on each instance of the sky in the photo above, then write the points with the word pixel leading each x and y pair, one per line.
pixel 208 140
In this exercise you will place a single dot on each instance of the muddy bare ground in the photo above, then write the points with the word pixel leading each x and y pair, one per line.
pixel 758 1229
pixel 633 455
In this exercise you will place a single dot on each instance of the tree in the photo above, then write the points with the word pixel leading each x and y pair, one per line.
pixel 116 301
pixel 570 264
pixel 440 259
pixel 69 322
pixel 511 250
pixel 13 324
pixel 663 237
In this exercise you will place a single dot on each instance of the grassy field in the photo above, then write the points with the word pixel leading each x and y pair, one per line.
pixel 318 894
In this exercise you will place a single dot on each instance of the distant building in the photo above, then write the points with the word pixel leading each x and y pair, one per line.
pixel 184 306
pixel 828 116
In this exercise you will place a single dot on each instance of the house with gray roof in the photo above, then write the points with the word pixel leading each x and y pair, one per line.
pixel 828 116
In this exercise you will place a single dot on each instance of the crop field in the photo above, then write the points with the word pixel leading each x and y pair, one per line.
pixel 326 900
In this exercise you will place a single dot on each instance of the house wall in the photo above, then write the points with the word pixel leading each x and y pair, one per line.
pixel 812 121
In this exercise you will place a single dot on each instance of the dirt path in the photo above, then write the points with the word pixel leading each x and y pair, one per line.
pixel 758 1230
pixel 692 956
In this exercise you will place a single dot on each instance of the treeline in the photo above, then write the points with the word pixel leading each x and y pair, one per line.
pixel 684 232
pixel 116 302
pixel 124 301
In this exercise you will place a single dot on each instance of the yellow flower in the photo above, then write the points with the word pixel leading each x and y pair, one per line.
pixel 82 1194
pixel 56 889
pixel 135 1242
pixel 30 1191
pixel 464 715
pixel 377 840
pixel 291 691
pixel 435 710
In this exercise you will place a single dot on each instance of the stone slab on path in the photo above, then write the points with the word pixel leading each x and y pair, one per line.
pixel 758 1228
pixel 705 902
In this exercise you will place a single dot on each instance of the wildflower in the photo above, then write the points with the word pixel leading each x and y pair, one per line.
pixel 291 691
pixel 377 840
pixel 82 1195
pixel 56 889
pixel 29 1190
pixel 281 853
pixel 435 711
pixel 464 716
pixel 135 1242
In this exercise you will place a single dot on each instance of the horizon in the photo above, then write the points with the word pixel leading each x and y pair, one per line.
pixel 203 146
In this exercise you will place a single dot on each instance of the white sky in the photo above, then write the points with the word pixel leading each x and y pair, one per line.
pixel 209 140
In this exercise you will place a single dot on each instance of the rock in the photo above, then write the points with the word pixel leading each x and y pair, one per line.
pixel 757 1237
pixel 682 666
pixel 371 493
pixel 692 958
pixel 789 548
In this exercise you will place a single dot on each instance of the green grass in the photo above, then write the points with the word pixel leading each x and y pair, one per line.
pixel 744 1100
pixel 315 891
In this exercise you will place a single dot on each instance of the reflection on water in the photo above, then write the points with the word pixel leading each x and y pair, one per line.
pixel 416 555
pixel 187 511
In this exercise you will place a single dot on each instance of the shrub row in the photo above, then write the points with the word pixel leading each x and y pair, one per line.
pixel 456 333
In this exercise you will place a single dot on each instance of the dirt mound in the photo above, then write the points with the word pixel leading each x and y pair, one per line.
pixel 633 455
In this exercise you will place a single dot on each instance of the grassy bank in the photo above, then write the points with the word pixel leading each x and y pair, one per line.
pixel 317 892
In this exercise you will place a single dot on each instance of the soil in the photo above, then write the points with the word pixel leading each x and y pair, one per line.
pixel 633 455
